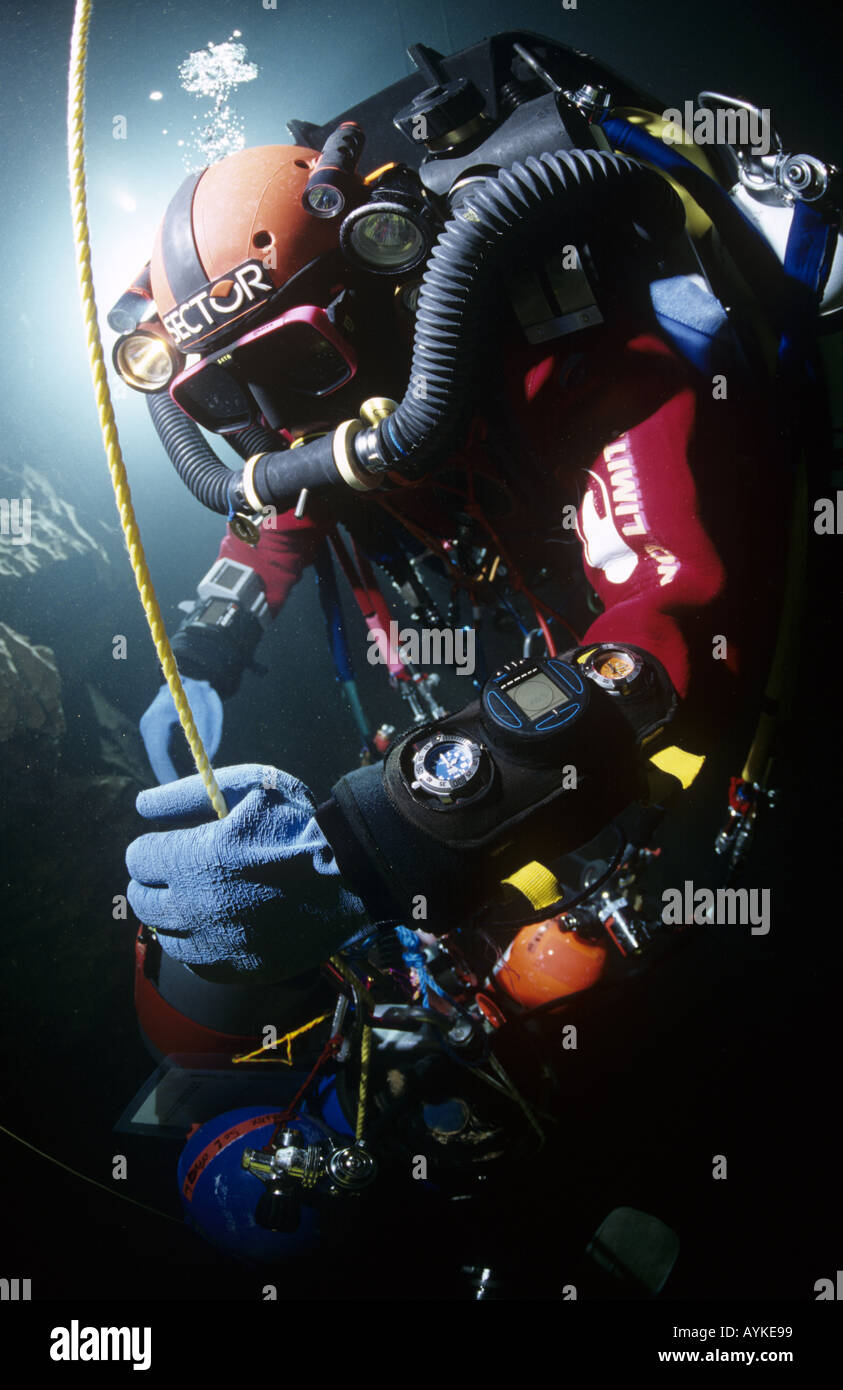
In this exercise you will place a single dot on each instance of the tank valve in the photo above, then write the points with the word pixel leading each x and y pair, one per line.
pixel 805 177
pixel 594 102
pixel 291 1163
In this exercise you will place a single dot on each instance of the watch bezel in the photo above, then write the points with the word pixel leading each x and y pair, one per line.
pixel 439 786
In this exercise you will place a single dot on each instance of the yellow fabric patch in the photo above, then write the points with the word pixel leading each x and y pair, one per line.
pixel 539 886
pixel 679 764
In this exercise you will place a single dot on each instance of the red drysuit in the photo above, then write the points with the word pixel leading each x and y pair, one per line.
pixel 669 480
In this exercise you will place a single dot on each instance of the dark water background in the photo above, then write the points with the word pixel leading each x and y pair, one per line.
pixel 731 1054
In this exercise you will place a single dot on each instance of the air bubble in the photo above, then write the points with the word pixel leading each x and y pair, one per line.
pixel 213 73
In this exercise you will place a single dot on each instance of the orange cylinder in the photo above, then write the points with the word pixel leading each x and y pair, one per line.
pixel 545 962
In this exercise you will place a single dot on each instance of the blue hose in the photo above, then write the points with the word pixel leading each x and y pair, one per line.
pixel 326 581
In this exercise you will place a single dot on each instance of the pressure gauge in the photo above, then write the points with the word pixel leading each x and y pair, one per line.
pixel 613 668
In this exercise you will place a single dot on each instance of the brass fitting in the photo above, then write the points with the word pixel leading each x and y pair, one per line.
pixel 377 408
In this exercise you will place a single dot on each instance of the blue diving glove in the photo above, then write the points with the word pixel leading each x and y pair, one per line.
pixel 258 894
pixel 160 721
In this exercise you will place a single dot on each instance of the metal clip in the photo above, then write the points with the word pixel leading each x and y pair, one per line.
pixel 244 528
pixel 746 799
pixel 755 171
pixel 631 937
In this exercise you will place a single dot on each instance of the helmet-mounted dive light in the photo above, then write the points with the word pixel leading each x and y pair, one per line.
pixel 132 304
pixel 146 359
pixel 334 183
pixel 393 232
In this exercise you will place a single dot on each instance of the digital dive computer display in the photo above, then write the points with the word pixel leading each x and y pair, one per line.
pixel 533 701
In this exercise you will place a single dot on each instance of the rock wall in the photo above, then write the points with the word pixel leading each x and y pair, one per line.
pixel 37 526
pixel 51 560
pixel 31 718
pixel 30 688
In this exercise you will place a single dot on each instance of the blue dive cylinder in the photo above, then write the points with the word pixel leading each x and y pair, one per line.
pixel 220 1197
pixel 328 1105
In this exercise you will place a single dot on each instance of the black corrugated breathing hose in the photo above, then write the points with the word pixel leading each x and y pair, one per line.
pixel 208 478
pixel 521 213
pixel 532 208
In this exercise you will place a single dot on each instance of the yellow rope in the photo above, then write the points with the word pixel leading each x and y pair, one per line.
pixel 84 1177
pixel 365 1054
pixel 287 1038
pixel 116 466
pixel 357 986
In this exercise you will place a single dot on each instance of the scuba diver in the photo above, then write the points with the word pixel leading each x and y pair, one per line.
pixel 508 334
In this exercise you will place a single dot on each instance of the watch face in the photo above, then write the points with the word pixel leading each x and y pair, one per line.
pixel 445 764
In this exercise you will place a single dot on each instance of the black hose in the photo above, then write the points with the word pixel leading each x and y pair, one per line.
pixel 280 477
pixel 530 208
pixel 255 439
pixel 193 459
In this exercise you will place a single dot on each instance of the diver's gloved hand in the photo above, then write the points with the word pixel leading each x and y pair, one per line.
pixel 161 721
pixel 256 893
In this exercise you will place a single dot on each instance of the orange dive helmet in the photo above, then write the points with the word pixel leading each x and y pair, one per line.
pixel 255 274
pixel 233 235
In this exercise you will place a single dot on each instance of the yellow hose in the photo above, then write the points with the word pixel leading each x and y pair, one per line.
pixel 111 442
